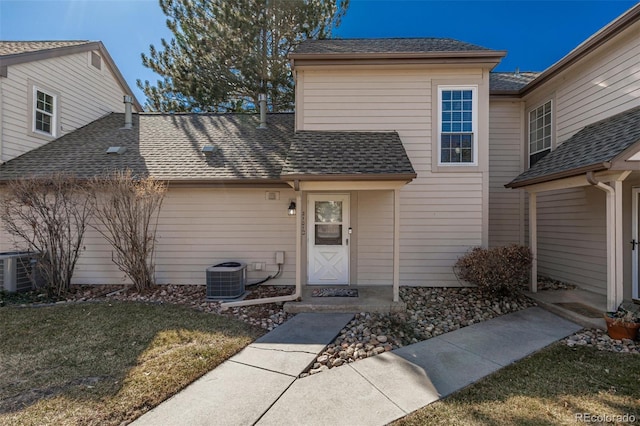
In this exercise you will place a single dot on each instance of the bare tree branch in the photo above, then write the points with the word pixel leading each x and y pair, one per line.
pixel 127 210
pixel 50 215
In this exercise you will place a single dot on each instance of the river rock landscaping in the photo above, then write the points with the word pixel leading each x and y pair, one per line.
pixel 600 340
pixel 267 316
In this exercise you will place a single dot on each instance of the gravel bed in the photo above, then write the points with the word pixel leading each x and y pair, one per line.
pixel 546 283
pixel 267 316
pixel 600 340
pixel 430 312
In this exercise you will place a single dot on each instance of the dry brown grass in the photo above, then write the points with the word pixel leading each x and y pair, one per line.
pixel 99 363
pixel 548 388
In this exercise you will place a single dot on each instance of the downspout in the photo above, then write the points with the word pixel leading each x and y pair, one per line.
pixel 1 111
pixel 612 296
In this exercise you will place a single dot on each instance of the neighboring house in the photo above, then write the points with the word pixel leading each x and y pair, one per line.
pixel 581 122
pixel 51 88
pixel 396 161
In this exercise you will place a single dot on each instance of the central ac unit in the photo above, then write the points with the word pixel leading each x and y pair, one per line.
pixel 226 280
pixel 16 271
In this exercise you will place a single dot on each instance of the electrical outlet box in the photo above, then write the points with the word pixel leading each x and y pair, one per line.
pixel 279 258
pixel 258 266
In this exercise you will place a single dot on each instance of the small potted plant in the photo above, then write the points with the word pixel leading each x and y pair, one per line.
pixel 622 324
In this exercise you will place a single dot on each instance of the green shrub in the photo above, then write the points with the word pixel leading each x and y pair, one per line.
pixel 499 270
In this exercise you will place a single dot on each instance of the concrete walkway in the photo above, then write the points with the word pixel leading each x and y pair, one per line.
pixel 259 385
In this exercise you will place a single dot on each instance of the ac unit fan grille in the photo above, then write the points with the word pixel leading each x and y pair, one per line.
pixel 226 280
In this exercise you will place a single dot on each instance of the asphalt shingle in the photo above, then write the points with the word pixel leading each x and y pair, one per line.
pixel 594 145
pixel 510 81
pixel 385 45
pixel 169 147
pixel 347 153
pixel 17 47
pixel 166 146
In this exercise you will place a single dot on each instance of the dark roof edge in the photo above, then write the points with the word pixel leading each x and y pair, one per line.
pixel 596 40
pixel 504 94
pixel 559 175
pixel 21 58
pixel 402 55
pixel 246 183
pixel 350 177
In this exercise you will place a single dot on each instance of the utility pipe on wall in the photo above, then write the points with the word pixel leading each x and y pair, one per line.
pixel 613 298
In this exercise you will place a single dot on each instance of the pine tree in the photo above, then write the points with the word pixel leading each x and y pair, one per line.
pixel 224 53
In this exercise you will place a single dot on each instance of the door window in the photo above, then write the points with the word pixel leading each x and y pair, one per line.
pixel 328 223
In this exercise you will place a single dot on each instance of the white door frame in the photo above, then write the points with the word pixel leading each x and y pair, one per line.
pixel 634 234
pixel 342 251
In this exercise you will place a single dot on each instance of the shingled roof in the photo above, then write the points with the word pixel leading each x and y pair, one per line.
pixel 18 47
pixel 509 82
pixel 169 147
pixel 384 45
pixel 591 149
pixel 355 154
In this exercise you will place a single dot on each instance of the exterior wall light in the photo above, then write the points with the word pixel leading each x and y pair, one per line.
pixel 292 209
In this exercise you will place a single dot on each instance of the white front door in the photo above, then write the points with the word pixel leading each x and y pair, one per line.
pixel 328 239
pixel 635 251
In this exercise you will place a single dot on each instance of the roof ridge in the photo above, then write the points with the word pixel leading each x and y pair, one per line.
pixel 47 41
pixel 208 113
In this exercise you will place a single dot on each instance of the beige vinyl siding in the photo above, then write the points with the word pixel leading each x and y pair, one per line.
pixel 202 227
pixel 506 145
pixel 604 84
pixel 84 95
pixel 441 213
pixel 375 238
pixel 572 237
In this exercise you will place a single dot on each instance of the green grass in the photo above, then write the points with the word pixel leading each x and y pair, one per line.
pixel 548 388
pixel 105 363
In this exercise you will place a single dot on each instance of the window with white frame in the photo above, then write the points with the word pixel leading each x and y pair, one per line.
pixel 539 132
pixel 457 125
pixel 44 112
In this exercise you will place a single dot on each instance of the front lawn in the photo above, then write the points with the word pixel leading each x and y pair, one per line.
pixel 105 363
pixel 548 388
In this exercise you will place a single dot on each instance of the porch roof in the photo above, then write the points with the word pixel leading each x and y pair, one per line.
pixel 606 144
pixel 329 155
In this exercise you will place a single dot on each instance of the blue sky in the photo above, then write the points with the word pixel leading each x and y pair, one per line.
pixel 534 33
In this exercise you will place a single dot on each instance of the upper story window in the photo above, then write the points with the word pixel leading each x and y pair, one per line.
pixel 44 112
pixel 539 132
pixel 457 125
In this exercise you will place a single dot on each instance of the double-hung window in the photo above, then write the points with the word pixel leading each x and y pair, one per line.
pixel 44 112
pixel 539 132
pixel 457 125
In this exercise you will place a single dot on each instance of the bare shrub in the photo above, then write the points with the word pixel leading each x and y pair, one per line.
pixel 128 209
pixel 499 270
pixel 50 214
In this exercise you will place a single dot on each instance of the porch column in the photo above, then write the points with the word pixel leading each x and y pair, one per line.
pixel 533 242
pixel 619 242
pixel 396 245
pixel 299 243
pixel 612 304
